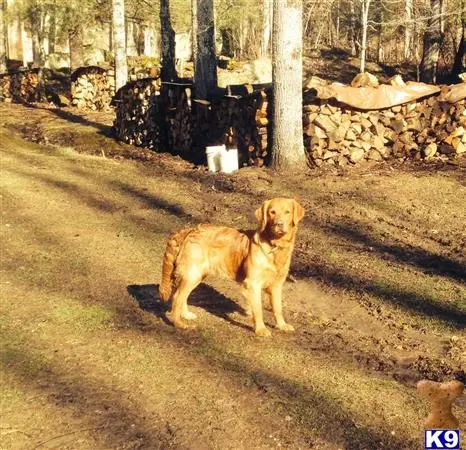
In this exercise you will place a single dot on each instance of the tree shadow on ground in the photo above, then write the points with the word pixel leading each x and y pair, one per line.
pixel 204 296
pixel 415 256
pixel 115 425
pixel 318 268
pixel 105 130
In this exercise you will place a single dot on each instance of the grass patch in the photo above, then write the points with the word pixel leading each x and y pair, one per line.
pixel 83 318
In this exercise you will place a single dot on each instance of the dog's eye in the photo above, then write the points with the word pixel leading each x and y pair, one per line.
pixel 272 213
pixel 287 212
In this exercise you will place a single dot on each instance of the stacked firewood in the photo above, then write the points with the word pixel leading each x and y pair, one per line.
pixel 139 113
pixel 238 121
pixel 338 135
pixel 177 104
pixel 248 127
pixel 20 87
pixel 92 88
pixel 447 131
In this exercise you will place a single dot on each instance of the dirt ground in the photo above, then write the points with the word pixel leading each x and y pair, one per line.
pixel 377 297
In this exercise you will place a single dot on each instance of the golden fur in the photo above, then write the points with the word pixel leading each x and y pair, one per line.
pixel 259 261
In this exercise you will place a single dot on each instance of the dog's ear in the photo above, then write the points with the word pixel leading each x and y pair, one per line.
pixel 298 212
pixel 261 215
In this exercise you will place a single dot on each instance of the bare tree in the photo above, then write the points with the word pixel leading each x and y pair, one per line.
pixel 119 43
pixel 266 26
pixel 352 31
pixel 432 41
pixel 459 64
pixel 76 43
pixel 205 63
pixel 3 40
pixel 287 67
pixel 168 72
pixel 364 23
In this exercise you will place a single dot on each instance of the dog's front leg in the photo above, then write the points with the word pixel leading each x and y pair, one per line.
pixel 275 292
pixel 253 291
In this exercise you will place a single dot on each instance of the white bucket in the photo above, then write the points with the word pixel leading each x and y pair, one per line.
pixel 229 160
pixel 213 157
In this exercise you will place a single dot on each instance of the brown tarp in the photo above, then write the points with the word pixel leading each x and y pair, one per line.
pixel 381 97
pixel 453 93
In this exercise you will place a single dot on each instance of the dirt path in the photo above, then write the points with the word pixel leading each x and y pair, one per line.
pixel 89 362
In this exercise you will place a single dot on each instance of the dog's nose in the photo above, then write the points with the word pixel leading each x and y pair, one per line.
pixel 279 223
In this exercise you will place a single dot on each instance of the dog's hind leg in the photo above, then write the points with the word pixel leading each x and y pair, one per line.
pixel 180 309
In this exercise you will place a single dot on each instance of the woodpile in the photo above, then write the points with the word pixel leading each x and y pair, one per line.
pixel 248 128
pixel 238 121
pixel 178 120
pixel 168 118
pixel 338 135
pixel 20 87
pixel 92 88
pixel 139 114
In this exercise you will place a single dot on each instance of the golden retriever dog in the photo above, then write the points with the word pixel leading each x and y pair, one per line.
pixel 259 261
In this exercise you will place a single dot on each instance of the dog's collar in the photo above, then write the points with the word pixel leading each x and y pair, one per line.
pixel 273 247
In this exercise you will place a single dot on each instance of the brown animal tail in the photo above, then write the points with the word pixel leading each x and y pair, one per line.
pixel 169 263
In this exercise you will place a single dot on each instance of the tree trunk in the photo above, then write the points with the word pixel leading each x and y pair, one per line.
pixel 266 26
pixel 287 67
pixel 408 30
pixel 168 72
pixel 119 44
pixel 432 41
pixel 205 64
pixel 337 23
pixel 76 43
pixel 364 21
pixel 3 40
pixel 227 42
pixel 380 30
pixel 194 30
pixel 459 64
pixel 352 28
pixel 37 60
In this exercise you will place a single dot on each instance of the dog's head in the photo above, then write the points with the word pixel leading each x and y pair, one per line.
pixel 279 216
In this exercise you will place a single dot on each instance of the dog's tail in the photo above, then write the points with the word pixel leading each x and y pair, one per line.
pixel 172 251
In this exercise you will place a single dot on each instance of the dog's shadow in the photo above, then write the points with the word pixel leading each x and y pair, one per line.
pixel 204 296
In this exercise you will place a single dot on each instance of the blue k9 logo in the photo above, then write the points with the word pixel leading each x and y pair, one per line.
pixel 442 439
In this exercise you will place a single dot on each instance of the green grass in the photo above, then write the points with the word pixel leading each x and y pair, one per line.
pixel 82 318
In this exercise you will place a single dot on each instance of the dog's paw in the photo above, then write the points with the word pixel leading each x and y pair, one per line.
pixel 180 325
pixel 263 332
pixel 188 315
pixel 285 327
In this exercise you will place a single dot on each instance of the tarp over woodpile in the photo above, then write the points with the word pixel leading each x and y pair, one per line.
pixel 454 93
pixel 372 98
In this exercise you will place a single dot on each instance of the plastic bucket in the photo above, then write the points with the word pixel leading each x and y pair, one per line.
pixel 213 157
pixel 229 160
